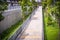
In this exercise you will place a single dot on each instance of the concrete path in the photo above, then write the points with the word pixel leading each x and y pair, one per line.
pixel 35 27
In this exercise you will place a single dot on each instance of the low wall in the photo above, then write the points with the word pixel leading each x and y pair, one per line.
pixel 11 17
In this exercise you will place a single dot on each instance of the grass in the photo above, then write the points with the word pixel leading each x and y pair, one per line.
pixel 52 33
pixel 10 31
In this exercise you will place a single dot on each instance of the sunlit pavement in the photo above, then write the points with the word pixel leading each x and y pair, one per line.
pixel 35 27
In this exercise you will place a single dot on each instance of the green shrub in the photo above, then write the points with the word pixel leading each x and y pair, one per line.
pixel 8 32
pixel 3 6
pixel 1 17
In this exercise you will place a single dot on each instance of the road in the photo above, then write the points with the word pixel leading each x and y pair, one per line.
pixel 34 30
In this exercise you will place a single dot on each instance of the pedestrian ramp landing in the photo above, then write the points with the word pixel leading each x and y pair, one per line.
pixel 34 30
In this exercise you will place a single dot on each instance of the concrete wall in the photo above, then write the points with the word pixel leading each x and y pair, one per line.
pixel 11 17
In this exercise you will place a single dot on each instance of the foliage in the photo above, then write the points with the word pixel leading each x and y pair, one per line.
pixel 51 16
pixel 3 6
pixel 51 9
pixel 24 5
pixel 1 17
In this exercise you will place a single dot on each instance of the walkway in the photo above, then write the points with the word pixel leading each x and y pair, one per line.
pixel 35 27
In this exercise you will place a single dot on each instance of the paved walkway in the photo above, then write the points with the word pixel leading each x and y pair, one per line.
pixel 35 27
